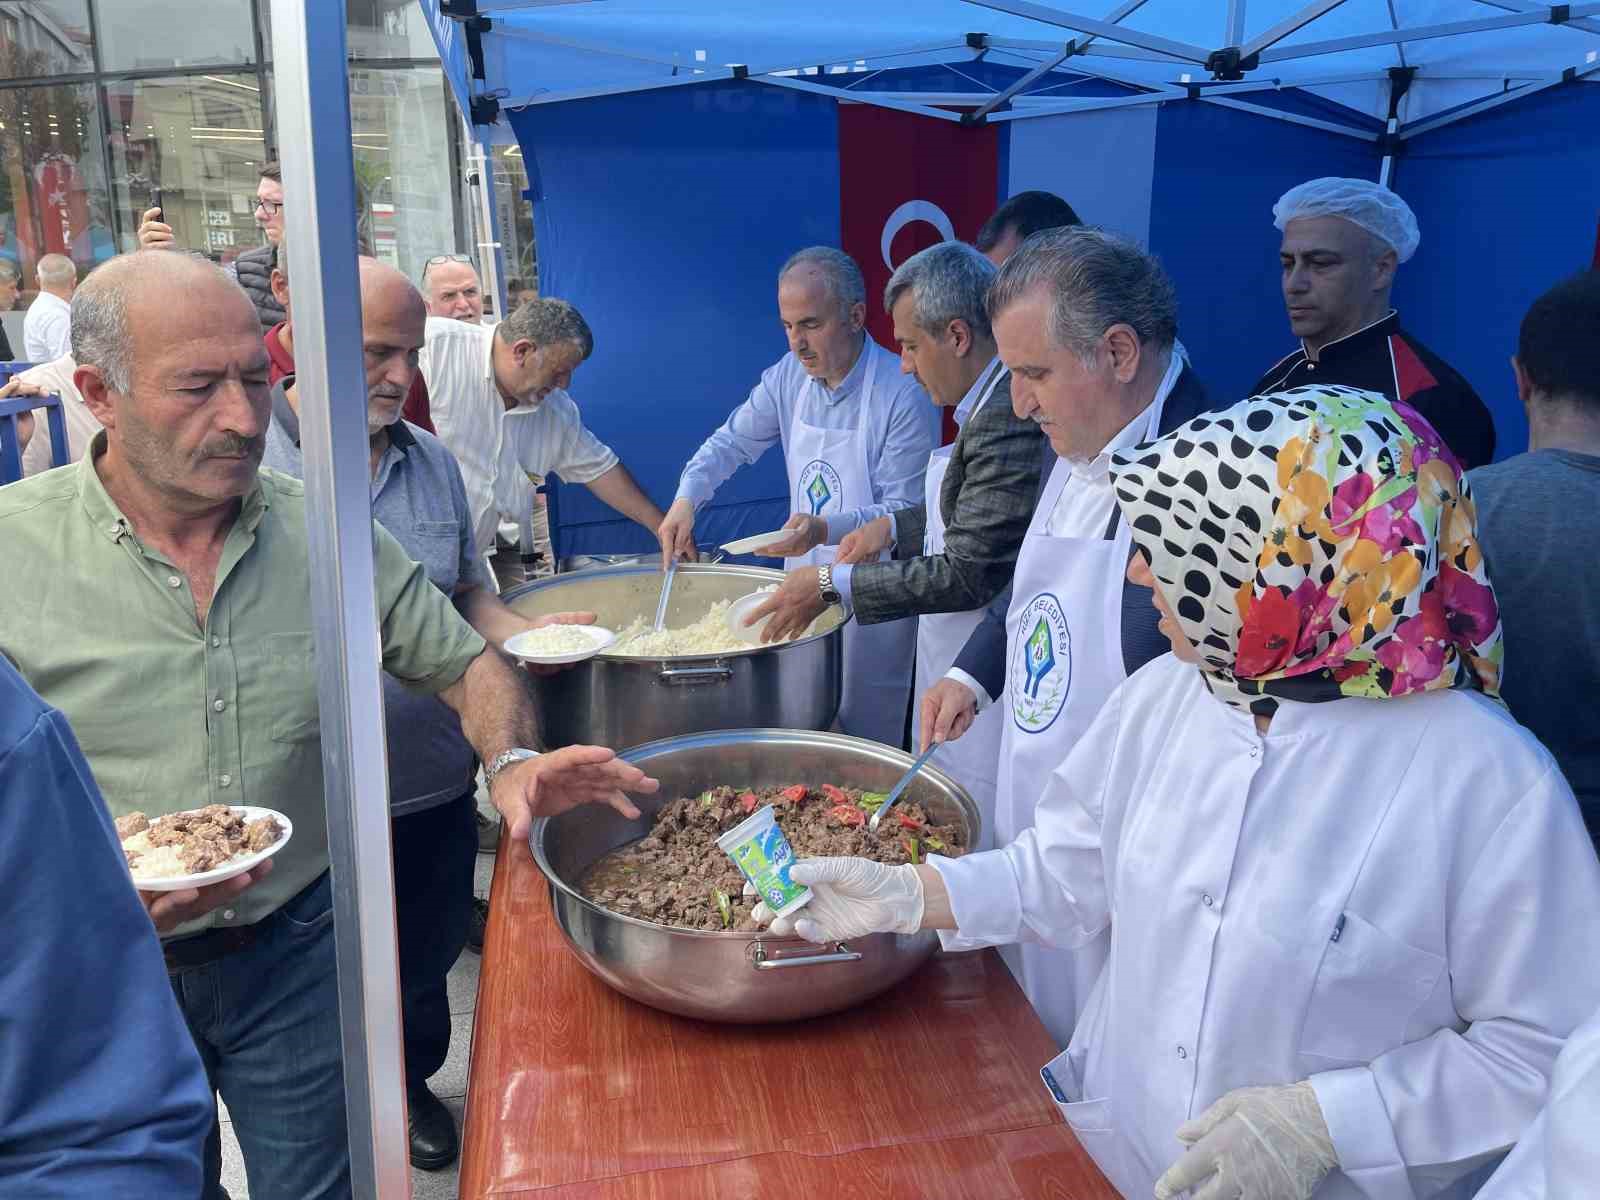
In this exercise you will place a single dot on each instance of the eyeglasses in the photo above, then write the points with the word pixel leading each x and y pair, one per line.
pixel 271 207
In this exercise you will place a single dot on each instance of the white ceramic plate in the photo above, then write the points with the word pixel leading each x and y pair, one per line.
pixel 518 646
pixel 742 608
pixel 754 543
pixel 235 866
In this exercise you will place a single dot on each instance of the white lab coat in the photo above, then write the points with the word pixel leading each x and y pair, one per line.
pixel 1395 898
pixel 1559 1156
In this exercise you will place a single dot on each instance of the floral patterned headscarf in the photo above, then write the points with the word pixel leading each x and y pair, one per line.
pixel 1314 544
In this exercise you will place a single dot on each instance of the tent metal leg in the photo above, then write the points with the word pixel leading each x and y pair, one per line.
pixel 313 106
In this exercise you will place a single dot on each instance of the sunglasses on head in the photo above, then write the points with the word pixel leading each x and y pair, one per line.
pixel 444 258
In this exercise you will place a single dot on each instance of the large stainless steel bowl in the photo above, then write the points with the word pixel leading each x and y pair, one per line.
pixel 616 700
pixel 738 977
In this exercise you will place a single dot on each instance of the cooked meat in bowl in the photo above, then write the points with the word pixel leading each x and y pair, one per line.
pixel 679 876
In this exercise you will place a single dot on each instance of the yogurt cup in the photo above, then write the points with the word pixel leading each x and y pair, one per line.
pixel 759 849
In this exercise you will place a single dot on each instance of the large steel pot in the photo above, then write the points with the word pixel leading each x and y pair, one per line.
pixel 731 976
pixel 619 701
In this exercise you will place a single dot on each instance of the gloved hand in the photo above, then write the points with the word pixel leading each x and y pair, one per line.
pixel 851 897
pixel 1256 1143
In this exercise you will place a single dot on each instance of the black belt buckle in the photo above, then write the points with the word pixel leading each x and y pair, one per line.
pixel 204 948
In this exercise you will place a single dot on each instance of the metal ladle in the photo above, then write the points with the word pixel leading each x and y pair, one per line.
pixel 894 792
pixel 666 594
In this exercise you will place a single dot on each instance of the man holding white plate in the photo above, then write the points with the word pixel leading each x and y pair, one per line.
pixel 160 598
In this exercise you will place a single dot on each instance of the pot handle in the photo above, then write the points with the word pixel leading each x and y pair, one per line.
pixel 769 962
pixel 719 673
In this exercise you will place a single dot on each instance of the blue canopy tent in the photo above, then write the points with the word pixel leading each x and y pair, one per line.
pixel 678 151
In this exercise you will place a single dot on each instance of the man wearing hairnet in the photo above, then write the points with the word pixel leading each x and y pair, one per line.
pixel 1343 240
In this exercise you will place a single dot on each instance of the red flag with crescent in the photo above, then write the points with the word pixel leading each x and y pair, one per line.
pixel 907 182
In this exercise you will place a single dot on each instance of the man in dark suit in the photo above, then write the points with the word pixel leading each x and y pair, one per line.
pixel 984 482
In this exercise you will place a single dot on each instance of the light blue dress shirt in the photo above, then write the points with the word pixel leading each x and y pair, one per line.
pixel 902 425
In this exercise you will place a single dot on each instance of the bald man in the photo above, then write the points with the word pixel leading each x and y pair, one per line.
pixel 418 496
pixel 175 634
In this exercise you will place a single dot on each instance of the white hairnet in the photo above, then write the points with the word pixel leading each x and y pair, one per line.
pixel 1370 205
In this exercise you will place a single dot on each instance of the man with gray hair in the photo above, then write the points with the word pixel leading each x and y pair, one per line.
pixel 954 552
pixel 47 327
pixel 1343 240
pixel 10 281
pixel 176 636
pixel 498 399
pixel 1087 322
pixel 856 435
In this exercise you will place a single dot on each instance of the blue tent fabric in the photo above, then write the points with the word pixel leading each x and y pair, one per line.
pixel 665 218
pixel 1508 203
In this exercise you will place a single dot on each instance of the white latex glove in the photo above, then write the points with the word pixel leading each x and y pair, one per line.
pixel 1256 1143
pixel 850 897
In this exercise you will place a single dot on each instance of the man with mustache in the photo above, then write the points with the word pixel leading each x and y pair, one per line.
pixel 418 496
pixel 160 598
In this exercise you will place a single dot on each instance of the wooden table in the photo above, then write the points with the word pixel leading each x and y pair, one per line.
pixel 578 1093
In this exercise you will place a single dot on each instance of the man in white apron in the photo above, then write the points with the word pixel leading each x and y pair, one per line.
pixel 856 437
pixel 1074 628
pixel 953 553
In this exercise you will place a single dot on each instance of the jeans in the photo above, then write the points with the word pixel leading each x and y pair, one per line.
pixel 435 853
pixel 266 1022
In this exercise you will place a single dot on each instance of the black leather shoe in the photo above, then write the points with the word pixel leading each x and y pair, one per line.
pixel 433 1130
pixel 488 834
pixel 476 923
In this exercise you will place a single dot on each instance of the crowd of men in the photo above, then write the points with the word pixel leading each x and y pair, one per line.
pixel 171 576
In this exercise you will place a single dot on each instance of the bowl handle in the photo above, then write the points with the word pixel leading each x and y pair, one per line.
pixel 765 961
pixel 720 673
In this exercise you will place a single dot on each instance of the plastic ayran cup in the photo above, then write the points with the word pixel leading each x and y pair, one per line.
pixel 761 852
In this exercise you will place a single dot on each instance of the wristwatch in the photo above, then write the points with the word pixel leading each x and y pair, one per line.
pixel 504 759
pixel 830 594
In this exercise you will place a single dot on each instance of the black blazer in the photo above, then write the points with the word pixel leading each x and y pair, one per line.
pixel 984 655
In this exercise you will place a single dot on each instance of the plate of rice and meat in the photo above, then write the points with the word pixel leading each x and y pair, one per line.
pixel 201 846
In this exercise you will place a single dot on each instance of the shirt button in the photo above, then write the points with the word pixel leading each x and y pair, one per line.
pixel 1255 751
pixel 227 914
pixel 215 640
pixel 113 529
pixel 174 581
pixel 219 704
pixel 224 780
pixel 1182 1053
pixel 1207 901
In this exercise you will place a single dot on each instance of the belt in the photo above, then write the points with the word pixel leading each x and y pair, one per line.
pixel 208 947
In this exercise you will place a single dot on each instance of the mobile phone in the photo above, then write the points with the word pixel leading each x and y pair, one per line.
pixel 155 203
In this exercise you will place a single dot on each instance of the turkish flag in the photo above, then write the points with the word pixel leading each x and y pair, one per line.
pixel 907 182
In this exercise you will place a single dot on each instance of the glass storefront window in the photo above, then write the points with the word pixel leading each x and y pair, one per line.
pixel 401 136
pixel 375 29
pixel 44 37
pixel 199 139
pixel 515 217
pixel 53 196
pixel 137 35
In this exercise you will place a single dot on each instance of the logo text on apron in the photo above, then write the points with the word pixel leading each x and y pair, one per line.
pixel 1041 671
pixel 820 487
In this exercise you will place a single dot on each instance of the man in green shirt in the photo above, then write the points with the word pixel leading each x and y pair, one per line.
pixel 158 593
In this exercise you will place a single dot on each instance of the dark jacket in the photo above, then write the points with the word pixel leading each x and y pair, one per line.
pixel 5 347
pixel 1384 358
pixel 984 655
pixel 254 268
pixel 986 500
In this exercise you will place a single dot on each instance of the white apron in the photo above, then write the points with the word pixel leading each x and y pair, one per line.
pixel 973 759
pixel 828 474
pixel 1063 661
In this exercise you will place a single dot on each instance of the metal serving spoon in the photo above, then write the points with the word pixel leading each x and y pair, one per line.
pixel 666 594
pixel 894 793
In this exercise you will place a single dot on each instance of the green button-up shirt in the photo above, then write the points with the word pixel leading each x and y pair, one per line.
pixel 172 716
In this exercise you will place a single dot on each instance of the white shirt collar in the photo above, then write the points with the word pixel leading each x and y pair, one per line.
pixel 986 378
pixel 1136 430
pixel 852 382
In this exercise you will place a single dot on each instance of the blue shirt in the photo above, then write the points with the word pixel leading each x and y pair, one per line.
pixel 418 496
pixel 101 1088
pixel 902 427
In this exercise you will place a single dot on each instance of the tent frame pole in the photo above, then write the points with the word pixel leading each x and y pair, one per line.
pixel 1528 6
pixel 1183 51
pixel 1399 37
pixel 1418 128
pixel 1024 82
pixel 313 110
pixel 1289 25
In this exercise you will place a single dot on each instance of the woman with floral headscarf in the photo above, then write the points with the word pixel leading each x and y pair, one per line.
pixel 1353 910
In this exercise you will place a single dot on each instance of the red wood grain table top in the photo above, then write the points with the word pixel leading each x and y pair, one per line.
pixel 578 1093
